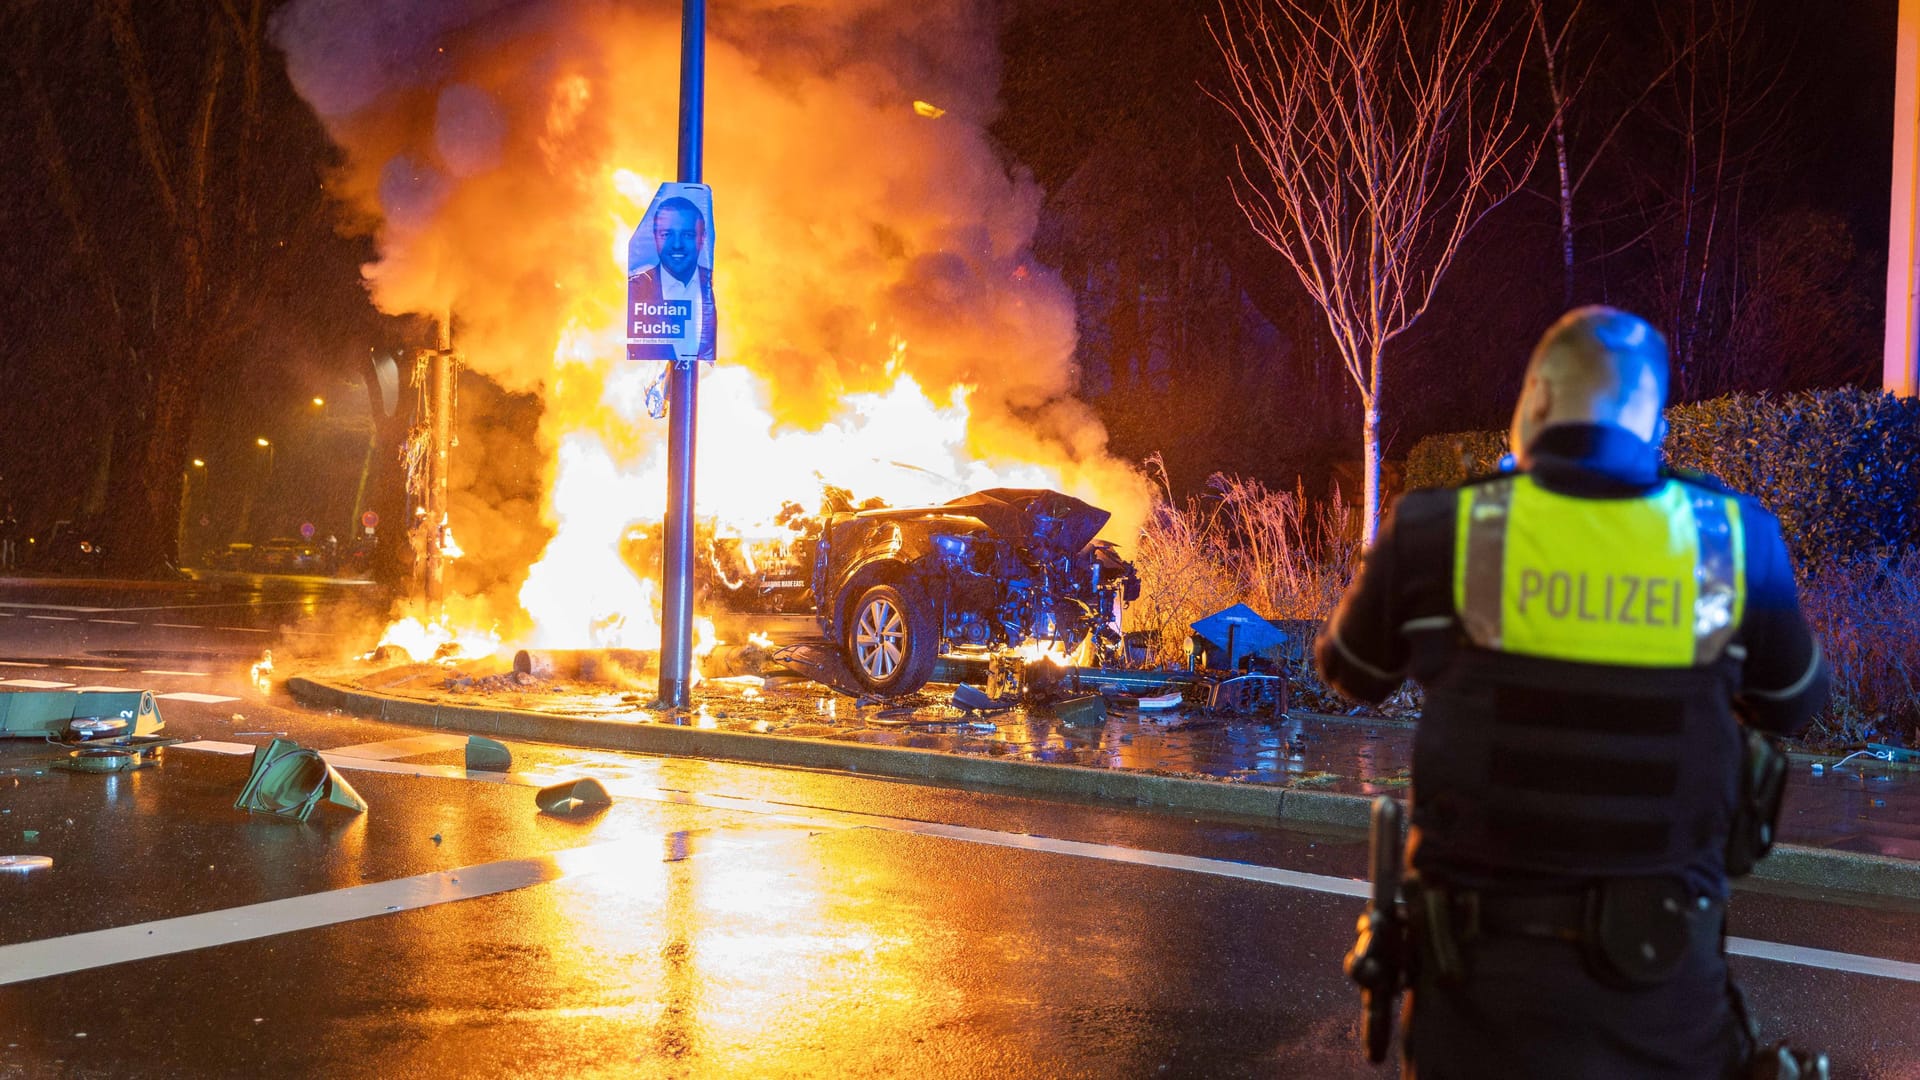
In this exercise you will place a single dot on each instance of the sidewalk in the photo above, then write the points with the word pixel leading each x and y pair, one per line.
pixel 1854 826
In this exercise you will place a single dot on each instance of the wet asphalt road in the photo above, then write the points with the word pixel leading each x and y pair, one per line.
pixel 718 920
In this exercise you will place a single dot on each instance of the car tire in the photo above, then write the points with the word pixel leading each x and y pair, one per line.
pixel 890 639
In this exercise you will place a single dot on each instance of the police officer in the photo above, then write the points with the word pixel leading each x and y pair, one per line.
pixel 1591 631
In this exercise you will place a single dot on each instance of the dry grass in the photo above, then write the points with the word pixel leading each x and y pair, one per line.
pixel 1868 621
pixel 1243 542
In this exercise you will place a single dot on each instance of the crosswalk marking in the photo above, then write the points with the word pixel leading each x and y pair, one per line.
pixel 202 699
pixel 35 684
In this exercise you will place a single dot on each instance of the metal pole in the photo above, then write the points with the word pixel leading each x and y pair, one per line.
pixel 1900 364
pixel 683 398
pixel 441 384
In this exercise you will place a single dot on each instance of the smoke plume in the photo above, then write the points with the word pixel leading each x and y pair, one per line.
pixel 502 151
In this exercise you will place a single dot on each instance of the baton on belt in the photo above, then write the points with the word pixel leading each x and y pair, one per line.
pixel 1378 953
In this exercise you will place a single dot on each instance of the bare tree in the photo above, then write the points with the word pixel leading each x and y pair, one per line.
pixel 1378 141
pixel 204 201
pixel 1722 122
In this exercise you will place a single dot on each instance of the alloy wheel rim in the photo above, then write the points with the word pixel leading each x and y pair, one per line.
pixel 879 640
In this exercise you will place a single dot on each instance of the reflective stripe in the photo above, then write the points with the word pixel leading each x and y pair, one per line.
pixel 1480 558
pixel 1653 581
pixel 1718 573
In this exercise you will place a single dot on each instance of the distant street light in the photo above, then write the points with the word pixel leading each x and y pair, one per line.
pixel 320 402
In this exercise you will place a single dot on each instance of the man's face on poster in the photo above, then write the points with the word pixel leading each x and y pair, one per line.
pixel 679 234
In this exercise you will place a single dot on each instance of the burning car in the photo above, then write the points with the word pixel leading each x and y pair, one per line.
pixel 896 587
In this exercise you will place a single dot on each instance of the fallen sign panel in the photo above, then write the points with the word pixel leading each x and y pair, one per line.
pixel 80 714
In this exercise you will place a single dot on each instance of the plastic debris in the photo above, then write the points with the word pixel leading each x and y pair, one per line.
pixel 974 699
pixel 29 835
pixel 289 780
pixel 1081 711
pixel 436 838
pixel 487 755
pixel 572 797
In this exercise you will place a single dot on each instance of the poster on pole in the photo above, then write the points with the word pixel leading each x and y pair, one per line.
pixel 670 311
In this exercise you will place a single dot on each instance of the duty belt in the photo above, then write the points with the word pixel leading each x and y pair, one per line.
pixel 1634 931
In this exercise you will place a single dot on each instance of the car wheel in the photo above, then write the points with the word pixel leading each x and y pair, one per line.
pixel 891 640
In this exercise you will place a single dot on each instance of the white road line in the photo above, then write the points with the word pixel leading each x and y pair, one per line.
pixel 163 671
pixel 399 748
pixel 115 622
pixel 1295 879
pixel 215 746
pixel 16 663
pixel 35 684
pixel 83 667
pixel 244 629
pixel 56 607
pixel 200 699
pixel 179 626
pixel 105 690
pixel 54 618
pixel 164 937
pixel 167 937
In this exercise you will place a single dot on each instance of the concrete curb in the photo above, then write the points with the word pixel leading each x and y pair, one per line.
pixel 1790 863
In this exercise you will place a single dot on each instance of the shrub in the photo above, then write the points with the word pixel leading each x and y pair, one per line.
pixel 1836 466
pixel 1241 543
pixel 1867 616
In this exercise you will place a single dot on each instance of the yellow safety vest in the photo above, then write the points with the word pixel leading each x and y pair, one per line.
pixel 1657 580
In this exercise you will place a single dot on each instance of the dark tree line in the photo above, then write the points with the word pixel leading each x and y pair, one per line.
pixel 1718 165
pixel 172 183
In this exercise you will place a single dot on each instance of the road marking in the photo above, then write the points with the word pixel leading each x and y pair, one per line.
pixel 179 626
pixel 115 622
pixel 244 629
pixel 817 816
pixel 17 663
pixel 399 748
pixel 200 699
pixel 105 690
pixel 54 618
pixel 57 607
pixel 215 746
pixel 163 671
pixel 83 667
pixel 35 684
pixel 165 937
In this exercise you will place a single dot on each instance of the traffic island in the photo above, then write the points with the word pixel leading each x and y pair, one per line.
pixel 1303 769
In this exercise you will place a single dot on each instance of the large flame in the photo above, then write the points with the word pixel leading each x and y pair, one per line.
pixel 883 327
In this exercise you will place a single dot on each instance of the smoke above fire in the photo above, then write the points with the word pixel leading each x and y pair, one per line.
pixel 501 152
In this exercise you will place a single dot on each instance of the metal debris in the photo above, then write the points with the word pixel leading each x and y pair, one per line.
pixel 572 797
pixel 486 755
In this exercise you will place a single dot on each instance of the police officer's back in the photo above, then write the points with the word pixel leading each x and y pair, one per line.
pixel 1586 630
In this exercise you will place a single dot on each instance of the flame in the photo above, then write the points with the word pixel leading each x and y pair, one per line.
pixel 438 640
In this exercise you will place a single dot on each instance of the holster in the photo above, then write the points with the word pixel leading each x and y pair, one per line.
pixel 1756 817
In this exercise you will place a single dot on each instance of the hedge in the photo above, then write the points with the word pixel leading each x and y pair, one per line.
pixel 1836 466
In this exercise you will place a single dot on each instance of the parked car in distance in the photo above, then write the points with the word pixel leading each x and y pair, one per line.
pixel 287 555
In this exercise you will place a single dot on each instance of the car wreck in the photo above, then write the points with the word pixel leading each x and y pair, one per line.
pixel 896 588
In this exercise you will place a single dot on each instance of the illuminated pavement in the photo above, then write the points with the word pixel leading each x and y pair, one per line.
pixel 718 920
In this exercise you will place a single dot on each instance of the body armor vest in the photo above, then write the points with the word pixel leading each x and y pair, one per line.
pixel 1583 726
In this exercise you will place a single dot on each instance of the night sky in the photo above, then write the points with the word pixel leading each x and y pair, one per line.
pixel 1195 339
